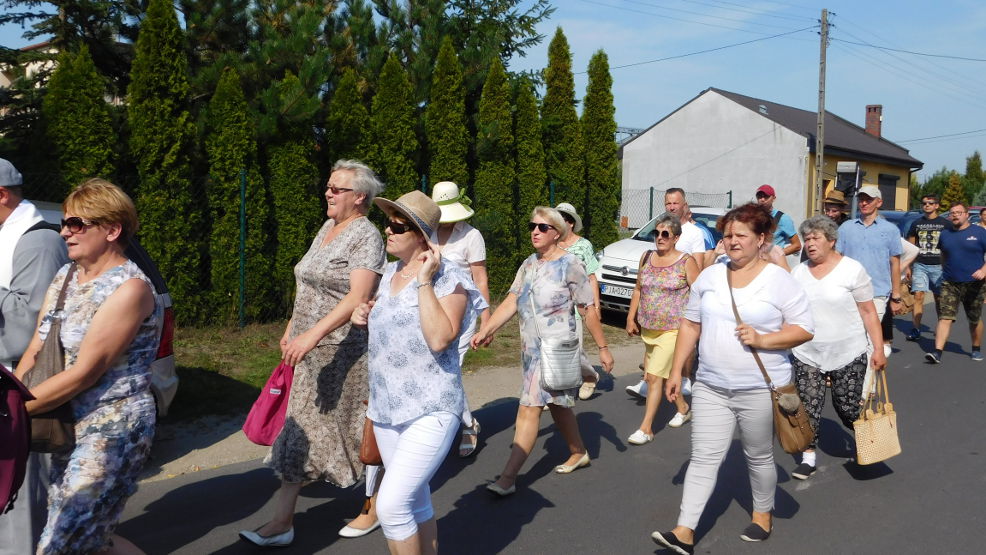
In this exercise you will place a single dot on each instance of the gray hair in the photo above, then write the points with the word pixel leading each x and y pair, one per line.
pixel 554 218
pixel 670 221
pixel 364 180
pixel 820 224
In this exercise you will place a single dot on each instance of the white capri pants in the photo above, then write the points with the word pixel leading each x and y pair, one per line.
pixel 411 453
pixel 716 413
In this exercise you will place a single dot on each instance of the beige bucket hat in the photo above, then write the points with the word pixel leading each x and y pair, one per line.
pixel 416 208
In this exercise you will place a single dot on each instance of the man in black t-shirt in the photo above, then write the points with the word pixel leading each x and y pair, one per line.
pixel 926 273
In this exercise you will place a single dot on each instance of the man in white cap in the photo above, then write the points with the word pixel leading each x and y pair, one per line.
pixel 875 243
pixel 31 251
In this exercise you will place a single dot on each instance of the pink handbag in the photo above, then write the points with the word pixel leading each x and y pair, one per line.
pixel 266 417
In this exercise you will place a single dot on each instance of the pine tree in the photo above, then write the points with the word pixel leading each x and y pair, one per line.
pixel 395 144
pixel 532 188
pixel 162 138
pixel 445 120
pixel 78 121
pixel 602 171
pixel 347 121
pixel 955 193
pixel 232 148
pixel 562 136
pixel 973 180
pixel 495 216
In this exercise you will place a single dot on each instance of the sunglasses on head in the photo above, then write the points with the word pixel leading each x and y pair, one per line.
pixel 76 224
pixel 543 228
pixel 663 234
pixel 397 228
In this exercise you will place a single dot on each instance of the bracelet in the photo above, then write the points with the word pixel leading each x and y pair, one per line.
pixel 425 284
pixel 603 347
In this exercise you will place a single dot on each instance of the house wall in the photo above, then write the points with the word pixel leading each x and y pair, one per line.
pixel 871 175
pixel 713 145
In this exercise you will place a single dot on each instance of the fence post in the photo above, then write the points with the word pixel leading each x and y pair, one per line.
pixel 424 184
pixel 650 205
pixel 242 299
pixel 551 193
pixel 730 199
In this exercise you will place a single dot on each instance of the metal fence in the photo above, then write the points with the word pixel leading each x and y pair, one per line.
pixel 641 205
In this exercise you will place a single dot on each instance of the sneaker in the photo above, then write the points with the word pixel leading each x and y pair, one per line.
pixel 754 533
pixel 803 471
pixel 977 356
pixel 679 419
pixel 670 541
pixel 934 357
pixel 640 438
pixel 914 335
pixel 686 386
pixel 887 350
pixel 638 390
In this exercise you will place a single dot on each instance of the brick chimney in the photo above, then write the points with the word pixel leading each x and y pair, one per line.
pixel 874 119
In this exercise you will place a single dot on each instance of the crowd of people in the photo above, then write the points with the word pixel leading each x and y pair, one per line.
pixel 379 346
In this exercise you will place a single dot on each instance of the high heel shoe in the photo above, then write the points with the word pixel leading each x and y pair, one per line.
pixel 569 468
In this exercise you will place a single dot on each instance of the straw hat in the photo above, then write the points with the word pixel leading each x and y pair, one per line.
pixel 835 197
pixel 453 202
pixel 566 208
pixel 419 210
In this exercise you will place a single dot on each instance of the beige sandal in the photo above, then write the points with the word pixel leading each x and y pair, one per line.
pixel 467 448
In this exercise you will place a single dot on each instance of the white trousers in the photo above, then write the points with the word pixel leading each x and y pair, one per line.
pixel 411 453
pixel 881 308
pixel 717 412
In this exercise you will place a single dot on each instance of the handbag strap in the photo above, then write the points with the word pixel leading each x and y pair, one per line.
pixel 881 397
pixel 739 321
pixel 60 303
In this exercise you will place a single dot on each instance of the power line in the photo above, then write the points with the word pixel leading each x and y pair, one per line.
pixel 707 50
pixel 943 136
pixel 689 12
pixel 716 25
pixel 724 5
pixel 947 56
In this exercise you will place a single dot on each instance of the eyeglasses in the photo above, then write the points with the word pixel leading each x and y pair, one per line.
pixel 398 228
pixel 76 224
pixel 663 234
pixel 929 202
pixel 543 228
pixel 957 212
pixel 337 190
pixel 762 195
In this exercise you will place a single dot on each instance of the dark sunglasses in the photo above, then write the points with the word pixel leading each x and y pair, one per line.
pixel 762 195
pixel 929 202
pixel 543 228
pixel 338 190
pixel 663 234
pixel 398 228
pixel 76 224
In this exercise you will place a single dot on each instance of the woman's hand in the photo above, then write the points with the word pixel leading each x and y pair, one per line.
pixel 672 386
pixel 606 359
pixel 720 248
pixel 749 336
pixel 295 350
pixel 362 314
pixel 878 360
pixel 286 338
pixel 482 338
pixel 430 259
pixel 632 327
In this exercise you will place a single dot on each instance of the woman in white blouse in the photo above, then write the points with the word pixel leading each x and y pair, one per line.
pixel 729 389
pixel 841 297
pixel 416 396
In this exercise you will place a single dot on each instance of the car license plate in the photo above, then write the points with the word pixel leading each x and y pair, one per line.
pixel 625 292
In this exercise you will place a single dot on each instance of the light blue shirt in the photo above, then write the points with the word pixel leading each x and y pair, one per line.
pixel 872 246
pixel 785 229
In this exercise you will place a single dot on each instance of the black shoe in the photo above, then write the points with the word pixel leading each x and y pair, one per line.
pixel 934 357
pixel 754 533
pixel 670 541
pixel 803 471
pixel 914 335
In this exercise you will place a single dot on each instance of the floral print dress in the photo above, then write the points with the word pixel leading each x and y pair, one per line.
pixel 114 420
pixel 547 291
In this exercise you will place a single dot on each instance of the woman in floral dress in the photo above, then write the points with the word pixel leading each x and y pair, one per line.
pixel 110 335
pixel 656 306
pixel 549 286
pixel 323 425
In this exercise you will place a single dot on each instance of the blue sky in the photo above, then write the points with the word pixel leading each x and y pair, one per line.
pixel 921 96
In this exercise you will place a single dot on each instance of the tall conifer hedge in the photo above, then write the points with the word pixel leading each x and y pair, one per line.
pixel 395 144
pixel 601 166
pixel 532 186
pixel 562 134
pixel 445 120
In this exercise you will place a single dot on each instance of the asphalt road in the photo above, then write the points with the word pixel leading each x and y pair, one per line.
pixel 928 499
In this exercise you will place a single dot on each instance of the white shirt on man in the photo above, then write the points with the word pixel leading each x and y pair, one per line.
pixel 692 239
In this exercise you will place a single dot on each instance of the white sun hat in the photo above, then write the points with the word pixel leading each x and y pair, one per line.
pixel 567 208
pixel 453 202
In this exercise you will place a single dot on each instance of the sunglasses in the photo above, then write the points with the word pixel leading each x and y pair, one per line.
pixel 663 234
pixel 929 202
pixel 543 228
pixel 337 190
pixel 762 195
pixel 398 228
pixel 76 224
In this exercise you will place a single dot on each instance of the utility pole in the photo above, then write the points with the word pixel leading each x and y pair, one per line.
pixel 820 134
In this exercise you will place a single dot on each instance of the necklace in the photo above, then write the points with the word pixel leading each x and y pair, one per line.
pixel 408 275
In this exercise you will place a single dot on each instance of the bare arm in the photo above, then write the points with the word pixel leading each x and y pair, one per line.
pixel 595 327
pixel 794 247
pixel 688 334
pixel 790 335
pixel 867 310
pixel 501 316
pixel 482 281
pixel 111 331
pixel 362 285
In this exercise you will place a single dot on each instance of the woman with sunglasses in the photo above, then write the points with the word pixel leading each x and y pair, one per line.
pixel 656 306
pixel 109 332
pixel 549 286
pixel 323 426
pixel 416 405
pixel 582 249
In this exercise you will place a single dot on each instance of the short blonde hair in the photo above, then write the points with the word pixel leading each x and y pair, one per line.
pixel 554 218
pixel 103 202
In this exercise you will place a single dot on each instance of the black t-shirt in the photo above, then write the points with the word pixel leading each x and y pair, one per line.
pixel 928 232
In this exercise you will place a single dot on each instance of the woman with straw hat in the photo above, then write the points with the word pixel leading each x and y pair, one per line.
pixel 463 245
pixel 416 398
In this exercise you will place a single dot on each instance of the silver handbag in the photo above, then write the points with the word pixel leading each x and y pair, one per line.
pixel 561 363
